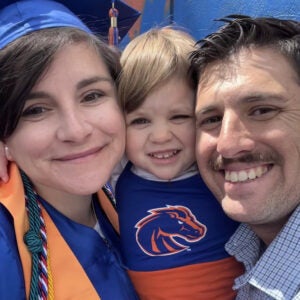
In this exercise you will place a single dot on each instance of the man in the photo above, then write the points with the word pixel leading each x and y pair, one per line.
pixel 248 146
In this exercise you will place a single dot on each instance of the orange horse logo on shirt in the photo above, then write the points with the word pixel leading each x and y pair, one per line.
pixel 160 233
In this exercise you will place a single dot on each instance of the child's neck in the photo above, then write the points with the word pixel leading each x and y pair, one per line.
pixel 193 170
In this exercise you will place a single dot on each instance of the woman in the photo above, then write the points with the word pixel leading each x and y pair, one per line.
pixel 63 134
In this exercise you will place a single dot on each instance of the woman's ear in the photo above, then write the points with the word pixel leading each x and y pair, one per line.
pixel 4 154
pixel 7 153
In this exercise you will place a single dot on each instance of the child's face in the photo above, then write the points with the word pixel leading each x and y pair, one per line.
pixel 161 132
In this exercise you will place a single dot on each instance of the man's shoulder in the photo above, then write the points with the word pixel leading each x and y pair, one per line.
pixel 273 273
pixel 243 242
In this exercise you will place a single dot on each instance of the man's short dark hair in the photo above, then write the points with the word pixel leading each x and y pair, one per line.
pixel 244 32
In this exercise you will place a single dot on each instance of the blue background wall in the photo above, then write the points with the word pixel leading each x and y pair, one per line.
pixel 197 15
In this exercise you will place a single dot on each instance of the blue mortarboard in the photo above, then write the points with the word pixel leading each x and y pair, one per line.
pixel 21 17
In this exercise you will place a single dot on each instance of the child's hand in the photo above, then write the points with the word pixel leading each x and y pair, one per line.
pixel 3 164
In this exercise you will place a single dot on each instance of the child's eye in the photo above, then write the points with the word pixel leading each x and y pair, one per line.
pixel 178 117
pixel 181 118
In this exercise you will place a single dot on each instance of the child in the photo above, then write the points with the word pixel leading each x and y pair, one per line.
pixel 172 229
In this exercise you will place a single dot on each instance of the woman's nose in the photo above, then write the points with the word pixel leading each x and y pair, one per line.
pixel 74 126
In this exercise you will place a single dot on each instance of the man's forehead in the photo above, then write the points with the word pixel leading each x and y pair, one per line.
pixel 251 66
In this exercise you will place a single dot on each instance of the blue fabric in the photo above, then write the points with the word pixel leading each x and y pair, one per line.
pixel 275 274
pixel 99 258
pixel 147 247
pixel 26 16
pixel 18 18
pixel 12 284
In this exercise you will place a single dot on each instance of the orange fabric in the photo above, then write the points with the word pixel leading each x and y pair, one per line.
pixel 69 279
pixel 12 197
pixel 209 281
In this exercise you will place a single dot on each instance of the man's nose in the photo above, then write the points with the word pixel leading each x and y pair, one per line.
pixel 234 136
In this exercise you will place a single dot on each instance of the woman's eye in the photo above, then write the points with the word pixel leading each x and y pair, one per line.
pixel 91 97
pixel 34 111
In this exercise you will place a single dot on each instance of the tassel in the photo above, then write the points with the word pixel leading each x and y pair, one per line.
pixel 113 33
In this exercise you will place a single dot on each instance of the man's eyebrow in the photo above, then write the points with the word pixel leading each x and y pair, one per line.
pixel 206 110
pixel 85 82
pixel 257 97
pixel 261 97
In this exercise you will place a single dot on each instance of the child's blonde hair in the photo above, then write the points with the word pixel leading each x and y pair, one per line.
pixel 149 61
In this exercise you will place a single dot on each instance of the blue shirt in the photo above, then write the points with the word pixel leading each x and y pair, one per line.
pixel 276 273
pixel 170 224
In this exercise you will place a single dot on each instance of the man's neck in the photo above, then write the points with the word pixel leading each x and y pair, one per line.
pixel 268 232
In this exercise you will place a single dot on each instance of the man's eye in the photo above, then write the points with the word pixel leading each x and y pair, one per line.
pixel 209 123
pixel 264 112
pixel 211 120
pixel 139 121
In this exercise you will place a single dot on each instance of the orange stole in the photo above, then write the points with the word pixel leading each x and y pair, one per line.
pixel 209 281
pixel 69 279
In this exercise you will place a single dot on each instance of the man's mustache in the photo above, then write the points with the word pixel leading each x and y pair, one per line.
pixel 220 162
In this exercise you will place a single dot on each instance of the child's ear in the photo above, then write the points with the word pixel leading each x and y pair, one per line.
pixel 7 153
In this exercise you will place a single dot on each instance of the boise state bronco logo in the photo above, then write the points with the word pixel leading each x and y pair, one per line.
pixel 160 233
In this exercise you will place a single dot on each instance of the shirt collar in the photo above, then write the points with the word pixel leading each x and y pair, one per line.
pixel 191 171
pixel 280 260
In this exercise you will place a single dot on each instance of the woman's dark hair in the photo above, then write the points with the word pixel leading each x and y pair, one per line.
pixel 245 32
pixel 23 62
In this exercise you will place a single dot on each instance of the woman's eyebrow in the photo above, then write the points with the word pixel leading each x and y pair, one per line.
pixel 37 95
pixel 81 84
pixel 85 82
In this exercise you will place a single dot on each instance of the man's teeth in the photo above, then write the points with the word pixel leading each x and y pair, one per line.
pixel 240 176
pixel 164 155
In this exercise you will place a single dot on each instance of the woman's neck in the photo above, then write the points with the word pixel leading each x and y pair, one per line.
pixel 78 208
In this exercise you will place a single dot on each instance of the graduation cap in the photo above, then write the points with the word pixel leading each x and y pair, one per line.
pixel 21 17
